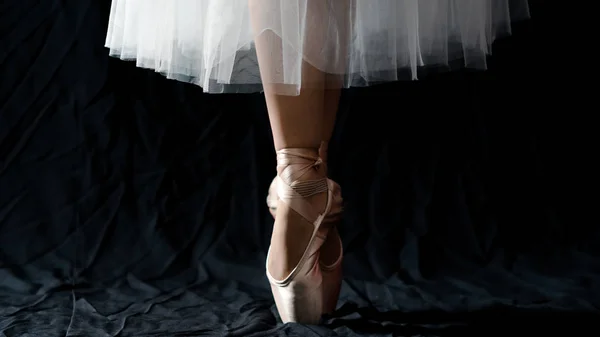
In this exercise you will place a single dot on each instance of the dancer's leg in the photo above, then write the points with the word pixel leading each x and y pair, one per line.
pixel 296 122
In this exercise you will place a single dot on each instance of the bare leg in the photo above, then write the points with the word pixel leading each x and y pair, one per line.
pixel 296 121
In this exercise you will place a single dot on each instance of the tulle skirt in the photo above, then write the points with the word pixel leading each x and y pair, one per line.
pixel 219 44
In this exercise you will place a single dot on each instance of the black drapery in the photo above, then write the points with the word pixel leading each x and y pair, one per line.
pixel 132 205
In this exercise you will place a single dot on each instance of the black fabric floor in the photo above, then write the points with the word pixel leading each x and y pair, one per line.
pixel 131 205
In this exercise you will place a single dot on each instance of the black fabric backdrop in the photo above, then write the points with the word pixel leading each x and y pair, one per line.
pixel 131 205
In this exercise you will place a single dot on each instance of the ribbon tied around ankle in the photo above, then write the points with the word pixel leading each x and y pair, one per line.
pixel 292 165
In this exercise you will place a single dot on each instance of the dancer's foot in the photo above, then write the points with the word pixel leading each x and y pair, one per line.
pixel 330 251
pixel 292 239
pixel 293 265
pixel 291 231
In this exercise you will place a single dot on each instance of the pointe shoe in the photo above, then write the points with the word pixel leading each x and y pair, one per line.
pixel 299 296
pixel 332 274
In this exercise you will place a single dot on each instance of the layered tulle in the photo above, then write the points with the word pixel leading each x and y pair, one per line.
pixel 213 43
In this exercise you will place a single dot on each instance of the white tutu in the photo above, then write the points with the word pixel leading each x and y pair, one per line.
pixel 213 43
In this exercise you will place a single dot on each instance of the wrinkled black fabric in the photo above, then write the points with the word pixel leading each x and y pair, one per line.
pixel 131 205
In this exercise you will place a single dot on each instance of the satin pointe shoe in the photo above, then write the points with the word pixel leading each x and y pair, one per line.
pixel 331 272
pixel 299 296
